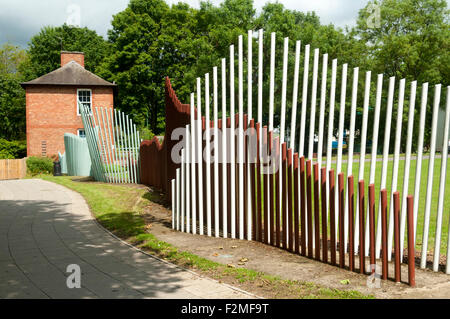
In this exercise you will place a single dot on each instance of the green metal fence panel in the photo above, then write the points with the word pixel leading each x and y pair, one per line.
pixel 63 162
pixel 113 144
pixel 77 157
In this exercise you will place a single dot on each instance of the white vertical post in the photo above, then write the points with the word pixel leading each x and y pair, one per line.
pixel 127 146
pixel 260 90
pixel 182 187
pixel 199 136
pixel 260 75
pixel 323 92
pixel 108 149
pixel 341 132
pixel 426 225
pixel 117 144
pixel 373 160
pixel 362 154
pixel 241 138
pixel 216 155
pixel 133 150
pixel 282 126
pixel 110 142
pixel 232 147
pixel 224 151
pixel 102 143
pixel 351 143
pixel 178 197
pixel 444 153
pixel 330 134
pixel 114 140
pixel 129 149
pixel 272 80
pixel 423 108
pixel 250 116
pixel 138 151
pixel 284 89
pixel 295 95
pixel 108 145
pixel 208 156
pixel 394 183
pixel 193 161
pixel 412 104
pixel 188 180
pixel 249 76
pixel 312 118
pixel 302 127
pixel 174 207
pixel 136 154
pixel 384 167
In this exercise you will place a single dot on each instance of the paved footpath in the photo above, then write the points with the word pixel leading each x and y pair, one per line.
pixel 44 227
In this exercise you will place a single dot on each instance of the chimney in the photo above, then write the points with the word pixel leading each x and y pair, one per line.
pixel 67 56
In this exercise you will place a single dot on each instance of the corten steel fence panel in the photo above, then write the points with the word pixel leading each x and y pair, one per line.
pixel 248 193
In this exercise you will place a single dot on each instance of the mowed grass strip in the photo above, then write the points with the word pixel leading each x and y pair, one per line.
pixel 118 208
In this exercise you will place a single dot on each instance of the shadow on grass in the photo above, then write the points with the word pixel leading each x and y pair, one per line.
pixel 155 197
pixel 124 224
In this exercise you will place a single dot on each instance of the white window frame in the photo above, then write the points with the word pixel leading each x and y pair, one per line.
pixel 78 132
pixel 78 94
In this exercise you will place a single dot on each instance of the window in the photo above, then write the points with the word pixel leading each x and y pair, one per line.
pixel 81 133
pixel 84 97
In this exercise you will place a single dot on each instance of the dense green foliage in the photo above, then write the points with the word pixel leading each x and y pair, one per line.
pixel 45 48
pixel 12 96
pixel 151 40
pixel 412 42
pixel 39 165
pixel 12 149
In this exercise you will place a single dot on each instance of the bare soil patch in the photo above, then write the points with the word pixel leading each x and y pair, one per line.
pixel 278 262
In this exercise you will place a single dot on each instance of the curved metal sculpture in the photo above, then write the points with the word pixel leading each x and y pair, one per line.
pixel 113 144
pixel 77 159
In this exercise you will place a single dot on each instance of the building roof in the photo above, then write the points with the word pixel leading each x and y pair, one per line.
pixel 70 74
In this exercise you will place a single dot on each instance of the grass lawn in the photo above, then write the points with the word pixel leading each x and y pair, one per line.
pixel 422 194
pixel 118 208
pixel 411 185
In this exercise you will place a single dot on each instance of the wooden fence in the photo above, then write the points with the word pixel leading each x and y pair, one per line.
pixel 13 168
pixel 283 194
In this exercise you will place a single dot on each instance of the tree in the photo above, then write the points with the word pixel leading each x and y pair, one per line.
pixel 12 96
pixel 44 48
pixel 411 42
pixel 150 40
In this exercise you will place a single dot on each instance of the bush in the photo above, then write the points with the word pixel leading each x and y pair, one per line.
pixel 12 149
pixel 39 165
pixel 146 134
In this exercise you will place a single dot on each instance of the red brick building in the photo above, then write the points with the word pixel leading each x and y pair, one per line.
pixel 51 103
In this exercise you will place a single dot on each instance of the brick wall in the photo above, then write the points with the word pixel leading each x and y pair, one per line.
pixel 66 57
pixel 51 111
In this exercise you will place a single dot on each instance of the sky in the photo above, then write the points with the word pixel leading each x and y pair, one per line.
pixel 21 19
